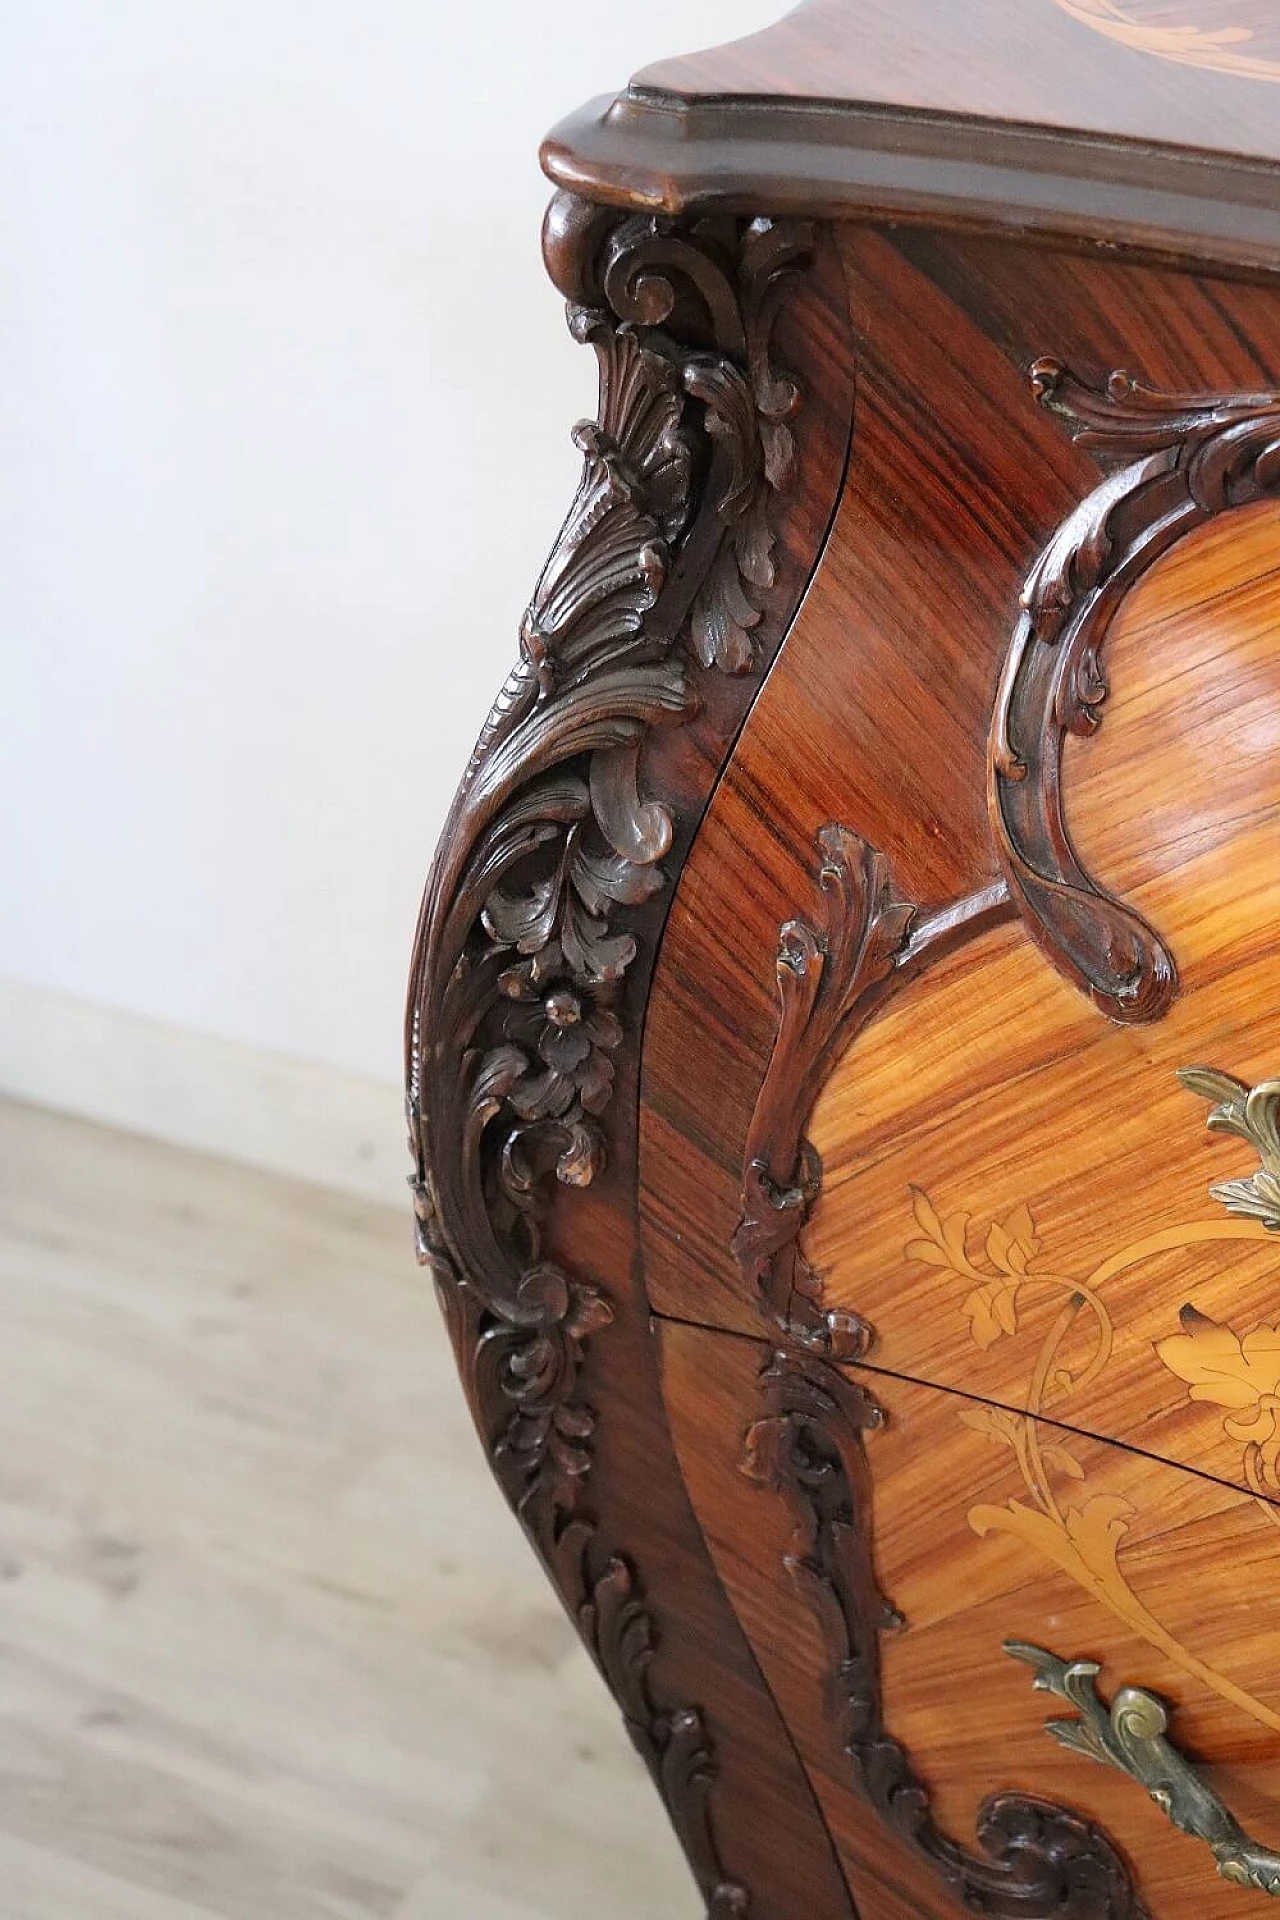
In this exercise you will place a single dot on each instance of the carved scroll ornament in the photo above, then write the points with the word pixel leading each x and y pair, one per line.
pixel 826 976
pixel 520 1003
pixel 1179 462
pixel 529 926
pixel 1038 1860
pixel 832 975
pixel 619 1633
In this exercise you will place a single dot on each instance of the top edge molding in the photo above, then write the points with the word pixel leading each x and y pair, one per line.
pixel 838 160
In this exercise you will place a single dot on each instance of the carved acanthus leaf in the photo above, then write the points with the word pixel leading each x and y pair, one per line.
pixel 604 1592
pixel 827 976
pixel 520 1004
pixel 534 911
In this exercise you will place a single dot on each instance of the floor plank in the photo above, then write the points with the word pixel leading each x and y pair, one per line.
pixel 270 1643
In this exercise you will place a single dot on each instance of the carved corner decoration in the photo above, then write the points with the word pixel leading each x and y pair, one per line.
pixel 1040 1859
pixel 529 925
pixel 1252 1114
pixel 827 977
pixel 520 1002
pixel 1130 1736
pixel 1178 462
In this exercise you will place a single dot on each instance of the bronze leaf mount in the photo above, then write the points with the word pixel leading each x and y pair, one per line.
pixel 1130 1735
pixel 1175 462
pixel 550 878
pixel 1038 1861
pixel 1252 1114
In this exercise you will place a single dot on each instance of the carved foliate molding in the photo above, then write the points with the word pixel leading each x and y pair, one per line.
pixel 826 973
pixel 1177 462
pixel 532 914
pixel 832 974
pixel 603 1592
pixel 1039 1861
pixel 550 874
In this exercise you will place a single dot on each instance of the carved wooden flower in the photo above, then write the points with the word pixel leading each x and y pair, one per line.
pixel 572 1039
pixel 1227 1371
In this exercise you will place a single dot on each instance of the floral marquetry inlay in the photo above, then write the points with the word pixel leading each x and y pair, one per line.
pixel 1004 1270
pixel 1009 1247
pixel 1221 36
pixel 1240 1374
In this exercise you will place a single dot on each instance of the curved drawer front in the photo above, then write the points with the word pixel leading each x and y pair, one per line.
pixel 880 1566
pixel 844 1092
pixel 992 863
pixel 1016 1191
pixel 960 1148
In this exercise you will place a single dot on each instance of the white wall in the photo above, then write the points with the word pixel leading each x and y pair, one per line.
pixel 284 400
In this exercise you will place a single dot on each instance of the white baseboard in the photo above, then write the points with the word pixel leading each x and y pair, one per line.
pixel 266 1110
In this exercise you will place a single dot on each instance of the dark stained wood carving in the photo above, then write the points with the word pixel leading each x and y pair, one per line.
pixel 525 938
pixel 831 978
pixel 532 916
pixel 1179 461
pixel 605 1594
pixel 826 977
pixel 1038 1860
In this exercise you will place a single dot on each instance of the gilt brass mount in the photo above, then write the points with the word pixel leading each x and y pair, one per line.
pixel 1130 1735
pixel 1253 1113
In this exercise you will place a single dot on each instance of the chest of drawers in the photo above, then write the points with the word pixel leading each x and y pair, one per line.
pixel 862 895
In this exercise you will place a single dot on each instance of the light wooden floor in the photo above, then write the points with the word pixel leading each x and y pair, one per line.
pixel 270 1644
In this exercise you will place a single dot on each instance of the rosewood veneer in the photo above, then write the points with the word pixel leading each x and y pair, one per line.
pixel 862 895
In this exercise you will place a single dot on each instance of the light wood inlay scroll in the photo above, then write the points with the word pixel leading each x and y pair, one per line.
pixel 1238 37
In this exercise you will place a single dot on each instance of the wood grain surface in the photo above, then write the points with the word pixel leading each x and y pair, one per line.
pixel 996 1092
pixel 1103 123
pixel 1187 72
pixel 951 1561
pixel 876 716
